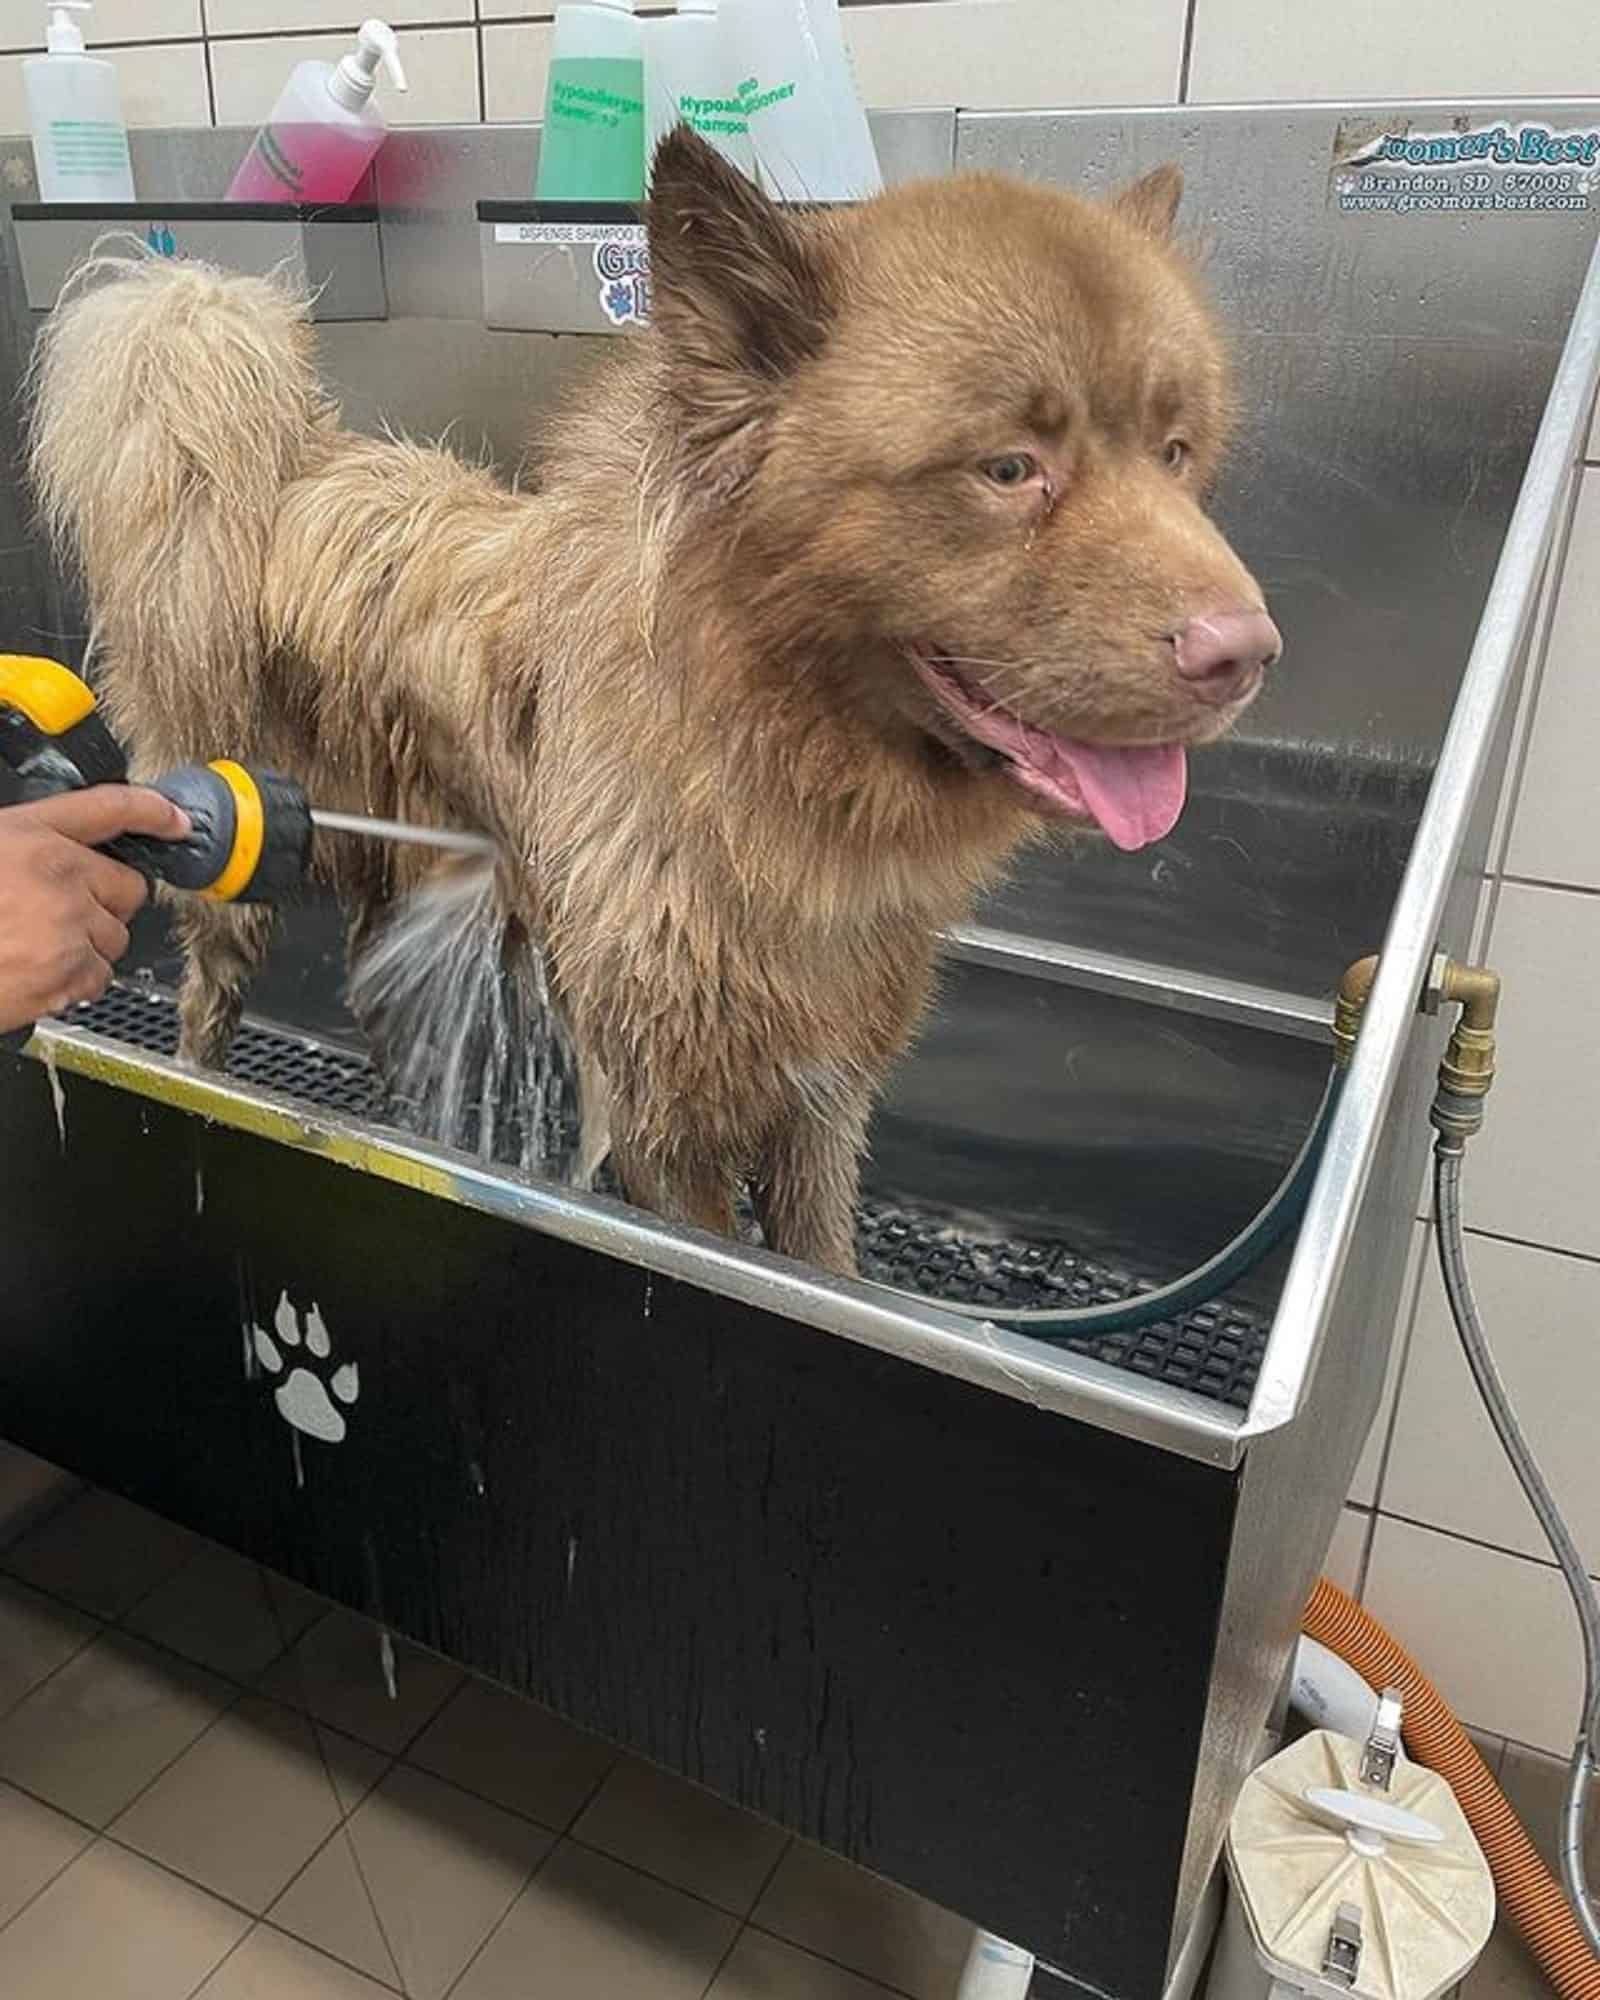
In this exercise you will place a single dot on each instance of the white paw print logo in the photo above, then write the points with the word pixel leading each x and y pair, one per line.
pixel 302 1396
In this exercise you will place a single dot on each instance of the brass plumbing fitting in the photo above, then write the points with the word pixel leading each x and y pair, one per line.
pixel 1467 1068
pixel 1349 1007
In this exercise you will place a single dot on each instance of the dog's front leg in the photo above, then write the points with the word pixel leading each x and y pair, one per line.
pixel 677 1180
pixel 805 1191
pixel 223 947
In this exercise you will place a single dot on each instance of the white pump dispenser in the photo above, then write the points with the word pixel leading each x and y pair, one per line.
pixel 325 127
pixel 80 143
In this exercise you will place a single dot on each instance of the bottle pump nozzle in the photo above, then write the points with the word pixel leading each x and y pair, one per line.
pixel 63 36
pixel 352 82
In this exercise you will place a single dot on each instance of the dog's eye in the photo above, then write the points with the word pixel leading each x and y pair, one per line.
pixel 1015 469
pixel 1175 456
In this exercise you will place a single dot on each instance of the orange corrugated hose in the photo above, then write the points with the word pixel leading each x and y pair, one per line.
pixel 1528 1892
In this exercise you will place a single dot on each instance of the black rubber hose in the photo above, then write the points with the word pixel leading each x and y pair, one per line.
pixel 1198 1287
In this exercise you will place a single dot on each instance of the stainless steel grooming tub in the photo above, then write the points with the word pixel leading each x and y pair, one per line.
pixel 1004 1621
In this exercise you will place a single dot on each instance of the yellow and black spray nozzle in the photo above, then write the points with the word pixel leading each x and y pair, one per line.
pixel 250 831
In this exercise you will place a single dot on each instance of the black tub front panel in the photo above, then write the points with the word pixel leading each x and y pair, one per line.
pixel 961 1641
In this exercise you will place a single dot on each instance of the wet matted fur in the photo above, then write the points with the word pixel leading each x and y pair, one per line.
pixel 889 505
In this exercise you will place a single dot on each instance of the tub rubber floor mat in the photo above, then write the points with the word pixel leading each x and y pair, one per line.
pixel 1214 1351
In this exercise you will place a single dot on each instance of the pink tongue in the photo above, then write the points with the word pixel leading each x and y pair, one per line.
pixel 1136 795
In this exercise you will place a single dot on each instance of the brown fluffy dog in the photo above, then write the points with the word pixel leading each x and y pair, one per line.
pixel 879 552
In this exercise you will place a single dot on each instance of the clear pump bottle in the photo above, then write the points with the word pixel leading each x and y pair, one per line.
pixel 80 143
pixel 325 127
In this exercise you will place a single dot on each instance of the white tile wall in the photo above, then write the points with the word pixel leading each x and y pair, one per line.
pixel 1247 49
pixel 1494 1632
pixel 164 84
pixel 116 20
pixel 1017 54
pixel 1555 833
pixel 441 65
pixel 276 17
pixel 1532 1176
pixel 515 61
pixel 1446 1470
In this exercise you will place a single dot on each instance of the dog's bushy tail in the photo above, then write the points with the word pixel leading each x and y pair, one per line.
pixel 171 403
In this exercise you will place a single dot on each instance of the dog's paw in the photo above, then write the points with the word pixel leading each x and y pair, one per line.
pixel 303 1396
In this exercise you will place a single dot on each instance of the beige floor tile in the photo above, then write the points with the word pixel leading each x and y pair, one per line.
pixel 99 1553
pixel 36 1843
pixel 29 1491
pixel 328 1906
pixel 244 1809
pixel 586 1928
pixel 270 1966
pixel 765 1968
pixel 336 1673
pixel 94 1735
pixel 37 1635
pixel 1494 1631
pixel 442 1868
pixel 1536 1785
pixel 115 1927
pixel 874 1927
pixel 221 1612
pixel 1446 1467
pixel 687 1836
pixel 1505 1971
pixel 514 1752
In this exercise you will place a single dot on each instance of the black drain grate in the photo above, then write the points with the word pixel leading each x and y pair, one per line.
pixel 1215 1351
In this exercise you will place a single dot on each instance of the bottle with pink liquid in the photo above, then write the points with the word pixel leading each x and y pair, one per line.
pixel 324 128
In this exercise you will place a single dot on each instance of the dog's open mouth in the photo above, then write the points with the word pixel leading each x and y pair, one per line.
pixel 1133 793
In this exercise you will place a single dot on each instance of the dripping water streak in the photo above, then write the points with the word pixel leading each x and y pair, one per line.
pixel 476 1054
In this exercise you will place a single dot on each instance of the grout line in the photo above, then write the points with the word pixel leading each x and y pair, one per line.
pixel 494 1929
pixel 155 1778
pixel 44 1679
pixel 74 1486
pixel 744 1921
pixel 71 1861
pixel 483 86
pixel 342 1828
pixel 720 1967
pixel 1528 1243
pixel 1186 55
pixel 211 81
pixel 1477 1542
pixel 1553 888
pixel 811 1951
pixel 238 1944
pixel 332 1957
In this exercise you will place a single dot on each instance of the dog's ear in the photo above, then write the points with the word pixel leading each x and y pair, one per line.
pixel 1151 203
pixel 741 292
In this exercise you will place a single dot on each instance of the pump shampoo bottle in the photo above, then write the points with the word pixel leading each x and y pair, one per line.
pixel 807 125
pixel 689 79
pixel 592 145
pixel 325 127
pixel 80 144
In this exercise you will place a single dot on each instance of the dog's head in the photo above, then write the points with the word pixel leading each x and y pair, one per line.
pixel 955 444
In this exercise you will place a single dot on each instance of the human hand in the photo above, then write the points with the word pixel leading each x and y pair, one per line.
pixel 65 910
